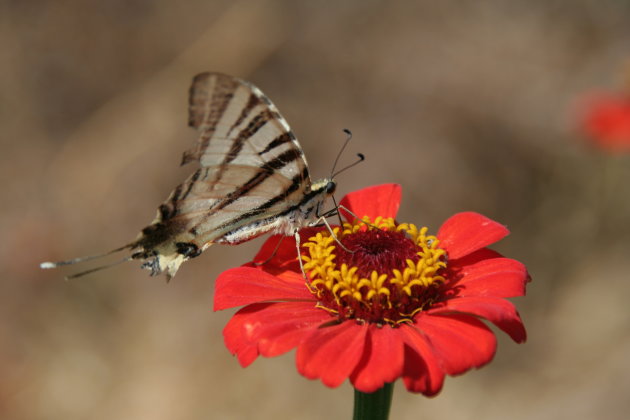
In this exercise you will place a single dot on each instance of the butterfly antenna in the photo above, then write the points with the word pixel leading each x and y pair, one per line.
pixel 47 265
pixel 99 268
pixel 333 174
pixel 361 157
pixel 348 138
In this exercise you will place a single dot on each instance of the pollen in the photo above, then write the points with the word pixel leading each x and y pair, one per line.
pixel 375 271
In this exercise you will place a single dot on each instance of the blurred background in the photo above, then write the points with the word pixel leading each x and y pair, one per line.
pixel 468 105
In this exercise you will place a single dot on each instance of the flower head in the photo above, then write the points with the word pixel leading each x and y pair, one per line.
pixel 383 300
pixel 605 120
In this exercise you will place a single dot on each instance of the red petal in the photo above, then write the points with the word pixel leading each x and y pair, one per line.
pixel 246 285
pixel 500 312
pixel 284 325
pixel 284 253
pixel 468 232
pixel 379 200
pixel 237 334
pixel 498 277
pixel 332 353
pixel 422 371
pixel 382 359
pixel 270 329
pixel 475 257
pixel 460 342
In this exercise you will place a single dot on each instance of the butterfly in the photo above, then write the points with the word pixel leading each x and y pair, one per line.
pixel 252 179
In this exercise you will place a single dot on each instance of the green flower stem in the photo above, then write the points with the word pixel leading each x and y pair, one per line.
pixel 374 406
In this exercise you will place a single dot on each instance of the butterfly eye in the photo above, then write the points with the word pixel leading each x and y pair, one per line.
pixel 331 187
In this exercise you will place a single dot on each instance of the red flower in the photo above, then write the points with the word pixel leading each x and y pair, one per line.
pixel 606 121
pixel 395 303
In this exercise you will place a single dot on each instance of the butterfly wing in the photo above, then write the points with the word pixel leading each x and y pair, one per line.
pixel 252 171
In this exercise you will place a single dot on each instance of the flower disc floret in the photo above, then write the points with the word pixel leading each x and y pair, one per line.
pixel 374 271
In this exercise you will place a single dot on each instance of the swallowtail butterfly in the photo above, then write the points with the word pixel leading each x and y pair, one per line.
pixel 252 179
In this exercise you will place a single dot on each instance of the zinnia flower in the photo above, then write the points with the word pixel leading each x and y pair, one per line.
pixel 392 302
pixel 605 120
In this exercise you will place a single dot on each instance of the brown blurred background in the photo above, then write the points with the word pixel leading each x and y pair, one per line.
pixel 468 105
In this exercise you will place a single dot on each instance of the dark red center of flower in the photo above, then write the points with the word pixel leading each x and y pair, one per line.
pixel 384 273
pixel 378 250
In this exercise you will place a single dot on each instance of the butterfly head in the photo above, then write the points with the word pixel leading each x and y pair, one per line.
pixel 330 187
pixel 326 187
pixel 312 207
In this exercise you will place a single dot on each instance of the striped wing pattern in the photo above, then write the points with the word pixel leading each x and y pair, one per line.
pixel 253 177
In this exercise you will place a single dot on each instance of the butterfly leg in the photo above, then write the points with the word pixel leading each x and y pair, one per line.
pixel 273 254
pixel 322 219
pixel 328 213
pixel 296 234
pixel 357 217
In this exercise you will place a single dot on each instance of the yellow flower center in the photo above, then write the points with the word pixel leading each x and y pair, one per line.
pixel 379 272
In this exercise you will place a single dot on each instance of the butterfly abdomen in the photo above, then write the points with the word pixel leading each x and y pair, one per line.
pixel 246 232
